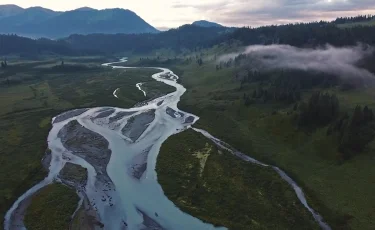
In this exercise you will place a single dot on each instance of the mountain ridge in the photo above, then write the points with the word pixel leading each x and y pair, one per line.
pixel 9 10
pixel 41 22
pixel 204 23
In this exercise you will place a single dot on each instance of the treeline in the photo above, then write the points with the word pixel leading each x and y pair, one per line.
pixel 284 95
pixel 12 44
pixel 72 68
pixel 168 62
pixel 303 34
pixel 27 47
pixel 159 61
pixel 359 18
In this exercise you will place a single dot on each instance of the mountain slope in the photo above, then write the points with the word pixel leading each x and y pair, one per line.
pixel 204 23
pixel 108 21
pixel 40 22
pixel 27 17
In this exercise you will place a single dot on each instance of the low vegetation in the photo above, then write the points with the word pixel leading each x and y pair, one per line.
pixel 218 188
pixel 51 208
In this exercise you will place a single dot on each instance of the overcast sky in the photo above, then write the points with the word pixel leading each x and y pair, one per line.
pixel 173 13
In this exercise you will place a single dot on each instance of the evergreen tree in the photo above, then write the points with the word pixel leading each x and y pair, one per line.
pixel 320 110
pixel 355 132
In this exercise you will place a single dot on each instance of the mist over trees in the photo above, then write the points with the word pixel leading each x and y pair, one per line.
pixel 282 74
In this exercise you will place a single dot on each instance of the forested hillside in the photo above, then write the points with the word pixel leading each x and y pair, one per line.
pixel 27 47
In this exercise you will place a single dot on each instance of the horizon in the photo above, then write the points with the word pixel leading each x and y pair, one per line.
pixel 235 13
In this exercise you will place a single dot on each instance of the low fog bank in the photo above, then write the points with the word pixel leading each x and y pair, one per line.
pixel 337 61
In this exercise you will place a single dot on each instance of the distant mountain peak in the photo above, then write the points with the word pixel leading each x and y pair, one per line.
pixel 10 6
pixel 85 8
pixel 40 9
pixel 204 23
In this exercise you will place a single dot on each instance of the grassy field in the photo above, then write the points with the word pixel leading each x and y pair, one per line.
pixel 40 93
pixel 51 208
pixel 341 192
pixel 215 186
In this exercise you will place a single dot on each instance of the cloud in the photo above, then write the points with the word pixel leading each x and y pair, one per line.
pixel 336 61
pixel 265 12
pixel 163 28
pixel 201 5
